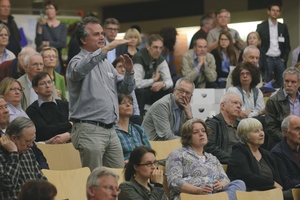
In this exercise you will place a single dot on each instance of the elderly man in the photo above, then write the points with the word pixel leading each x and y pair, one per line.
pixel 251 54
pixel 284 103
pixel 165 117
pixel 17 160
pixel 199 65
pixel 102 184
pixel 4 116
pixel 223 19
pixel 111 29
pixel 93 85
pixel 287 152
pixel 152 74
pixel 15 68
pixel 50 115
pixel 223 127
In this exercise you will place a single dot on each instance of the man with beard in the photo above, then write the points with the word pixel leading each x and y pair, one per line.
pixel 165 117
pixel 284 103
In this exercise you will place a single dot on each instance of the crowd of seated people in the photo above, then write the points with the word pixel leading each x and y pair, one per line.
pixel 35 101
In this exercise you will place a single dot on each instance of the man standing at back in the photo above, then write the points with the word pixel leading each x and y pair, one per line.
pixel 111 29
pixel 93 85
pixel 8 20
pixel 275 43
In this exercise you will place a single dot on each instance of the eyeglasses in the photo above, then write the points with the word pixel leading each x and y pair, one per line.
pixel 111 188
pixel 126 102
pixel 35 65
pixel 16 89
pixel 149 164
pixel 157 48
pixel 49 57
pixel 181 91
pixel 113 29
pixel 46 83
pixel 27 141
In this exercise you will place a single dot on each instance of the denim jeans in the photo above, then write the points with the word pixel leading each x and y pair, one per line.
pixel 232 187
pixel 277 66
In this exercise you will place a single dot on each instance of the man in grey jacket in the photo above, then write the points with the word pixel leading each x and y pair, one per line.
pixel 166 116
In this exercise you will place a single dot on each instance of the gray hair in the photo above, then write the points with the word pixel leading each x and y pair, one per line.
pixel 246 126
pixel 17 126
pixel 246 50
pixel 81 32
pixel 28 56
pixel 185 79
pixel 25 49
pixel 226 97
pixel 285 124
pixel 94 178
pixel 292 70
pixel 222 11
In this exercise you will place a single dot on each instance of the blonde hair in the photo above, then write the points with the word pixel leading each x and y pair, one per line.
pixel 132 32
pixel 49 49
pixel 246 126
pixel 257 35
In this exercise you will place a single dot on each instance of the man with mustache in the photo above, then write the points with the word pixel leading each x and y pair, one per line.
pixel 284 103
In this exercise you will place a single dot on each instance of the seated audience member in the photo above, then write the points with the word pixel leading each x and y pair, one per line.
pixel 102 184
pixel 5 53
pixel 199 65
pixel 51 61
pixel 223 127
pixel 131 135
pixel 139 172
pixel 286 152
pixel 17 161
pixel 4 121
pixel 37 190
pixel 223 19
pixel 50 115
pixel 130 48
pixel 12 91
pixel 250 54
pixel 206 24
pixel 245 77
pixel 152 74
pixel 191 170
pixel 34 64
pixel 225 57
pixel 165 117
pixel 253 39
pixel 15 68
pixel 295 55
pixel 282 104
pixel 251 163
pixel 135 117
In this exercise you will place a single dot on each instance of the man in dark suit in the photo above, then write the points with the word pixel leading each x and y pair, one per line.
pixel 275 43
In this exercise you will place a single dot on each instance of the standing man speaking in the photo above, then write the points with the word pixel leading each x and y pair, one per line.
pixel 93 84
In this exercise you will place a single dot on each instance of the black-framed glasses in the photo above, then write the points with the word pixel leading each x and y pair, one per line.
pixel 113 29
pixel 16 89
pixel 149 164
pixel 182 91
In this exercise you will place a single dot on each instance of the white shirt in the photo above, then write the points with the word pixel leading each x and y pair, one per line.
pixel 274 45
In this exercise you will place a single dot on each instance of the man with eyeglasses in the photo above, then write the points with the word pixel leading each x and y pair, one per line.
pixel 102 184
pixel 165 117
pixel 50 115
pixel 111 28
pixel 223 127
pixel 199 65
pixel 17 160
pixel 34 64
pixel 152 74
pixel 285 102
pixel 223 19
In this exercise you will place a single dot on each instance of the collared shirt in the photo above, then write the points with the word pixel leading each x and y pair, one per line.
pixel 15 170
pixel 294 106
pixel 111 55
pixel 33 95
pixel 274 45
pixel 135 137
pixel 15 112
pixel 40 101
pixel 177 117
pixel 196 63
pixel 93 84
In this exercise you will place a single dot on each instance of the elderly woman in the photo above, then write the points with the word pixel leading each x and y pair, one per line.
pixel 131 135
pixel 251 163
pixel 139 172
pixel 245 77
pixel 50 58
pixel 12 91
pixel 5 54
pixel 191 170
